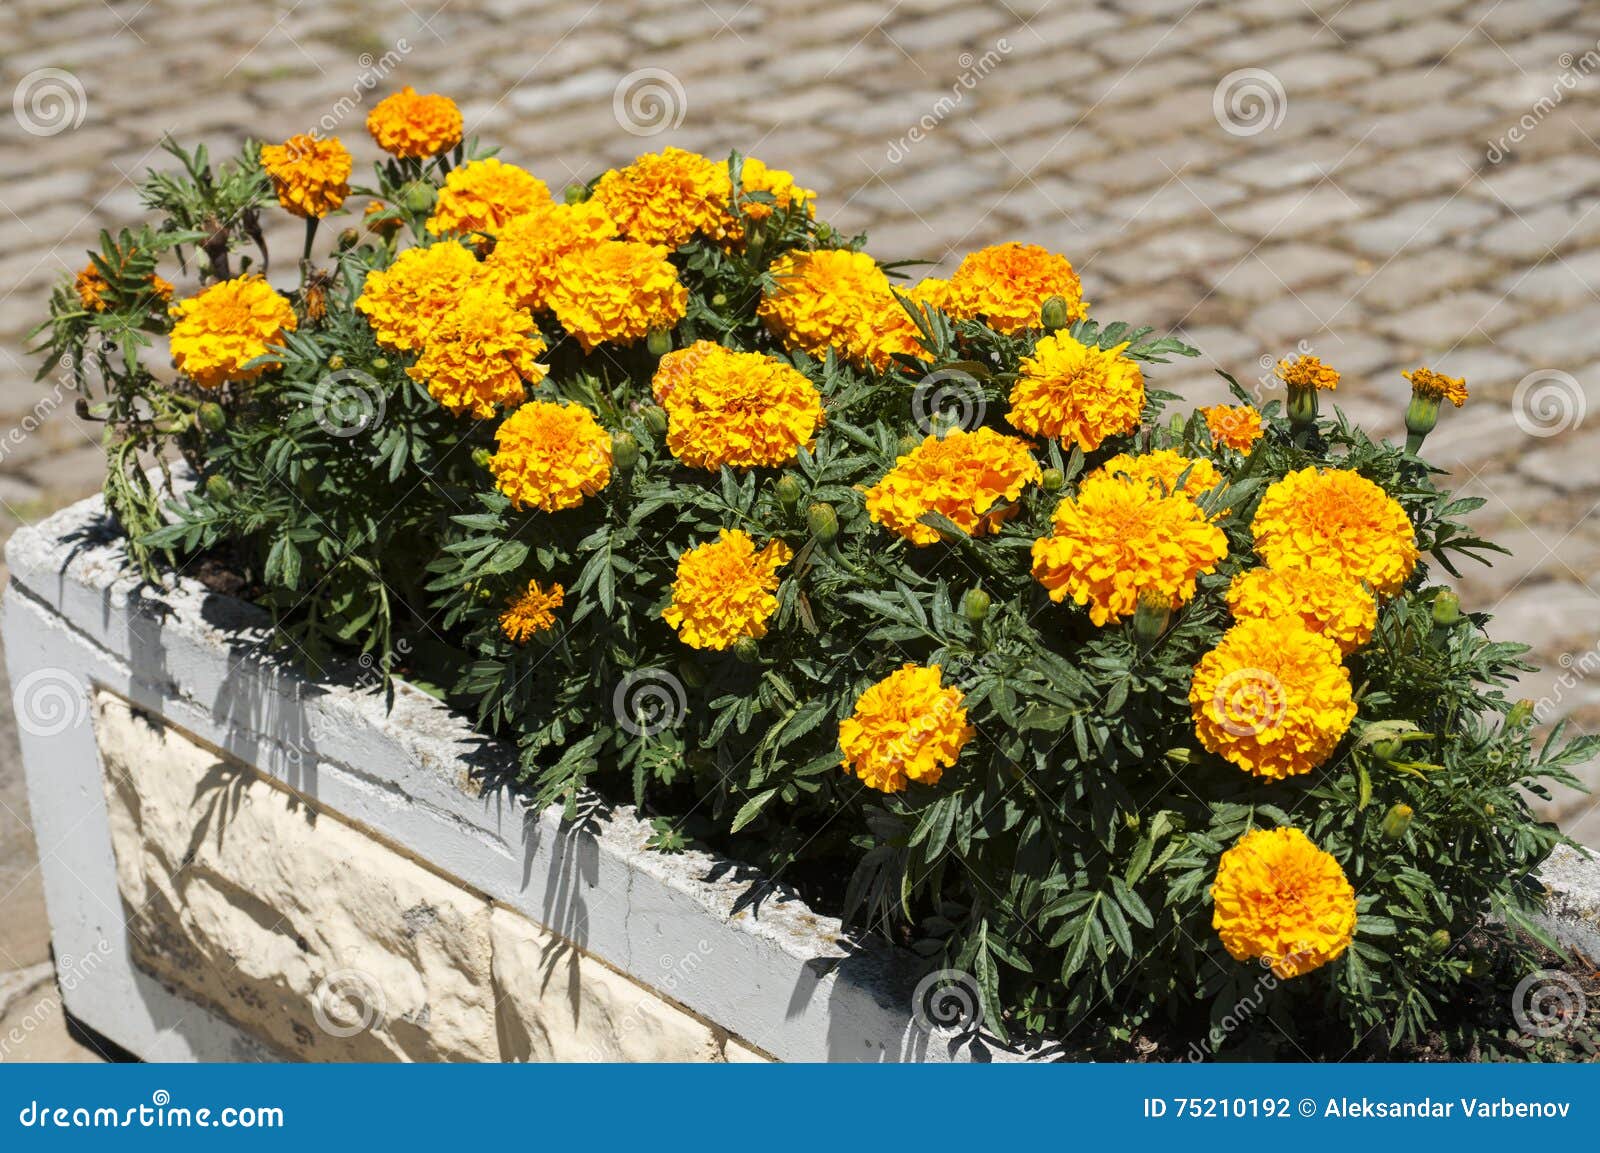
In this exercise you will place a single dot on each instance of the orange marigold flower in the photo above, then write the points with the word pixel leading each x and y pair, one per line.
pixel 754 176
pixel 410 124
pixel 1162 468
pixel 550 456
pixel 972 478
pixel 1437 386
pixel 530 248
pixel 1338 522
pixel 739 409
pixel 92 288
pixel 1331 606
pixel 838 299
pixel 617 292
pixel 218 332
pixel 311 177
pixel 482 195
pixel 1307 372
pixel 1272 697
pixel 1236 426
pixel 1005 285
pixel 1076 393
pixel 480 354
pixel 667 197
pixel 1280 899
pixel 405 300
pixel 1120 539
pixel 907 727
pixel 724 590
pixel 531 612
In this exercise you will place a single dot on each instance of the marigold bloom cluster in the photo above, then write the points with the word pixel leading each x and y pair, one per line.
pixel 530 248
pixel 907 727
pixel 482 195
pixel 1272 697
pixel 1437 386
pixel 1333 606
pixel 1076 393
pixel 667 197
pixel 616 293
pixel 225 327
pixel 841 300
pixel 1337 522
pixel 1307 372
pixel 403 302
pixel 531 612
pixel 311 177
pixel 480 354
pixel 972 478
pixel 1162 470
pixel 735 409
pixel 1120 539
pixel 724 590
pixel 551 456
pixel 1280 899
pixel 1006 284
pixel 1235 426
pixel 413 125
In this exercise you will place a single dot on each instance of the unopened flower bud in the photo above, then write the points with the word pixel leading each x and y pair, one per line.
pixel 1053 480
pixel 747 649
pixel 380 364
pixel 219 487
pixel 624 451
pixel 576 194
pixel 1446 608
pixel 1422 415
pixel 788 492
pixel 655 419
pixel 211 417
pixel 975 605
pixel 907 444
pixel 719 300
pixel 418 196
pixel 1152 616
pixel 1521 713
pixel 481 457
pixel 822 522
pixel 348 239
pixel 335 362
pixel 1396 821
pixel 1387 749
pixel 1053 314
pixel 1439 941
pixel 659 342
pixel 1302 406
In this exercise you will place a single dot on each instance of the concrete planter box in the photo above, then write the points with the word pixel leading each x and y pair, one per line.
pixel 240 863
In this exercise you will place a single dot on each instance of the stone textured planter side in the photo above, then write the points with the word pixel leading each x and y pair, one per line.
pixel 241 864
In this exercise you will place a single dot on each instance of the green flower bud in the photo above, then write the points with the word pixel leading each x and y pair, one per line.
pixel 1302 406
pixel 655 419
pixel 1422 416
pixel 822 522
pixel 1446 608
pixel 624 451
pixel 788 492
pixel 1396 821
pixel 335 362
pixel 659 342
pixel 1488 810
pixel 348 239
pixel 908 444
pixel 1053 480
pixel 481 457
pixel 719 300
pixel 211 417
pixel 1439 941
pixel 1521 713
pixel 1151 618
pixel 380 364
pixel 576 193
pixel 747 649
pixel 975 605
pixel 691 674
pixel 219 487
pixel 1053 314
pixel 1387 749
pixel 418 197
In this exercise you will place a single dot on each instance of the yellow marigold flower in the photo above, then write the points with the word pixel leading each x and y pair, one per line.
pixel 311 177
pixel 1280 899
pixel 754 176
pixel 480 354
pixel 667 197
pixel 724 590
pixel 1332 606
pixel 1162 468
pixel 530 247
pixel 92 288
pixel 616 293
pixel 411 124
pixel 1236 426
pixel 907 727
pixel 1120 539
pixel 482 195
pixel 225 327
pixel 531 612
pixel 1307 372
pixel 550 456
pixel 1272 697
pixel 834 298
pixel 973 478
pixel 1438 386
pixel 1076 393
pixel 1337 522
pixel 405 300
pixel 930 292
pixel 1005 285
pixel 740 409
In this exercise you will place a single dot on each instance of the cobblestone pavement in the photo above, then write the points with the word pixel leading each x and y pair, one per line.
pixel 1381 183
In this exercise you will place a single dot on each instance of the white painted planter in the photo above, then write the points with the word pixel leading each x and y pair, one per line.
pixel 242 864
